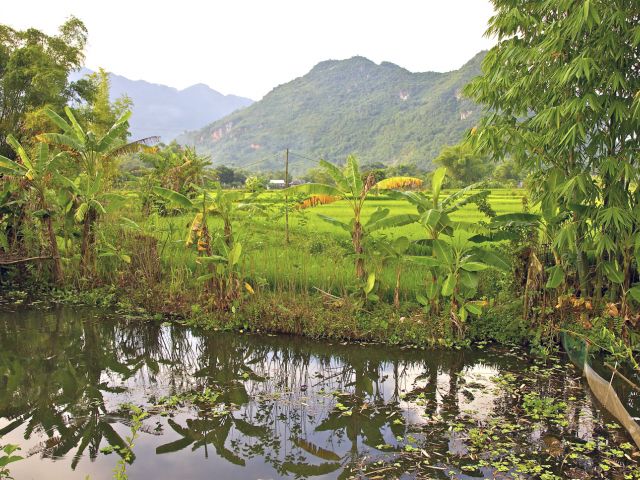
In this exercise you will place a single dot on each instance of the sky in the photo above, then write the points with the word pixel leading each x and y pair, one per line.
pixel 248 47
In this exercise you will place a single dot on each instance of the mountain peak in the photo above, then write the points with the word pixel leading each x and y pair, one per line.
pixel 166 111
pixel 199 87
pixel 382 113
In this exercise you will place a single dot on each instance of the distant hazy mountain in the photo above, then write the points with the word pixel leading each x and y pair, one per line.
pixel 382 113
pixel 168 112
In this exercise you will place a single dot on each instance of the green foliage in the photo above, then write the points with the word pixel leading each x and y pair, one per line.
pixel 6 458
pixel 126 451
pixel 34 72
pixel 381 113
pixel 463 164
pixel 352 187
pixel 572 119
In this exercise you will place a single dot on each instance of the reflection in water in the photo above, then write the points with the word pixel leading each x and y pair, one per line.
pixel 283 407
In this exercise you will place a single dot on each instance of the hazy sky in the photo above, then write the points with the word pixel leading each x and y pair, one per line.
pixel 247 47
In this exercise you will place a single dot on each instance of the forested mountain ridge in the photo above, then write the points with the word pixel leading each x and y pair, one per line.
pixel 159 110
pixel 383 113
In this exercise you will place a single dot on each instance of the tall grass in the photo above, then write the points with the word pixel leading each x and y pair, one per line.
pixel 318 257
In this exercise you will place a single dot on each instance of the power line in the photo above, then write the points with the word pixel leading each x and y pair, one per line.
pixel 275 155
pixel 296 154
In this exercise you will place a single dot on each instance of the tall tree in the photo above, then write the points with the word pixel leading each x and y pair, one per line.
pixel 34 73
pixel 562 86
pixel 463 164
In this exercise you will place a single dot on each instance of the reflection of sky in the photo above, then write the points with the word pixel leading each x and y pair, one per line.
pixel 291 393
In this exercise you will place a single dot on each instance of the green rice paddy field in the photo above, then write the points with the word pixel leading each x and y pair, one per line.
pixel 318 255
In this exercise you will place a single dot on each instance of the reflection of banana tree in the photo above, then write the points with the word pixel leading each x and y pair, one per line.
pixel 306 469
pixel 359 418
pixel 55 386
pixel 226 368
pixel 212 430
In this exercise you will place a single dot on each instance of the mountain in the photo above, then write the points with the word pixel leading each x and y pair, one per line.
pixel 168 112
pixel 382 113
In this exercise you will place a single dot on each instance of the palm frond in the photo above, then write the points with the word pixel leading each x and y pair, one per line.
pixel 133 147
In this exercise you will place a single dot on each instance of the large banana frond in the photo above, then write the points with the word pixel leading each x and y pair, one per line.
pixel 315 189
pixel 354 176
pixel 60 122
pixel 19 149
pixel 173 196
pixel 436 182
pixel 336 174
pixel 133 147
pixel 81 211
pixel 80 135
pixel 418 199
pixel 62 139
pixel 393 221
pixel 9 167
pixel 115 134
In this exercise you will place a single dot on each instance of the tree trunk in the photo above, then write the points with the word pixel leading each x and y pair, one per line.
pixel 228 234
pixel 358 249
pixel 86 247
pixel 55 253
pixel 396 292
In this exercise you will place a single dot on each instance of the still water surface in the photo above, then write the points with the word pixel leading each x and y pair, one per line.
pixel 278 407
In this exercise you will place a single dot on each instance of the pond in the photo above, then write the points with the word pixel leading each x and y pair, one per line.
pixel 235 406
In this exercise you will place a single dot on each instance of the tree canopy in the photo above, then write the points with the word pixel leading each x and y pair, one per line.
pixel 34 73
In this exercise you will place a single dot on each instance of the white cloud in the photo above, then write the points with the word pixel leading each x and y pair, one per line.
pixel 247 47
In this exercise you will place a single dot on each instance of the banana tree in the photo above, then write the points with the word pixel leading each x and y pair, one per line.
pixel 454 265
pixel 87 200
pixel 36 174
pixel 222 263
pixel 224 205
pixel 351 187
pixel 394 250
pixel 94 155
pixel 224 275
pixel 434 211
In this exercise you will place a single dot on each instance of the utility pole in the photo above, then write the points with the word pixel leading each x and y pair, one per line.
pixel 286 197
